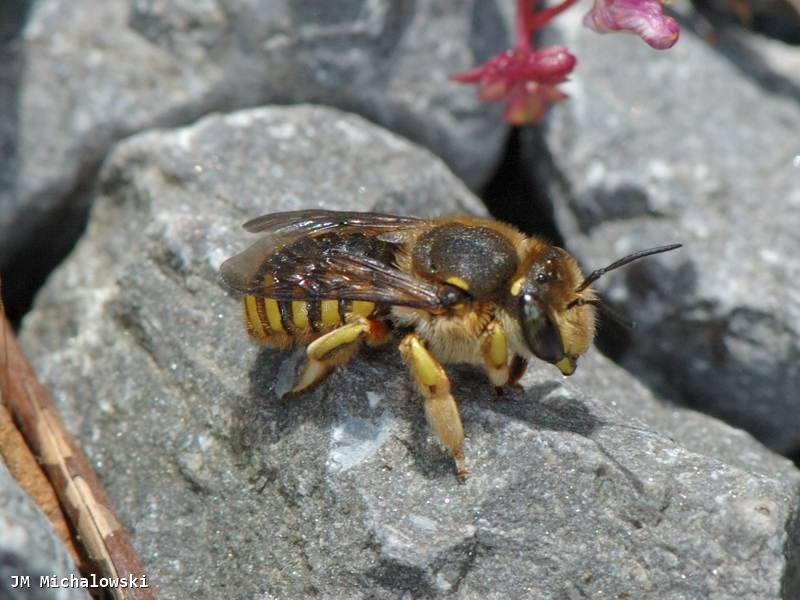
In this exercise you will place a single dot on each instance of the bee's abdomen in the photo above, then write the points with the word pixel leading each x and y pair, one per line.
pixel 282 322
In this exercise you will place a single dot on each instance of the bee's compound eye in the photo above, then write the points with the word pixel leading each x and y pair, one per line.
pixel 541 334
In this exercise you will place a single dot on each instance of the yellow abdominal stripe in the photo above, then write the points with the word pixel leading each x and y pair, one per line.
pixel 362 308
pixel 253 317
pixel 329 312
pixel 300 314
pixel 273 314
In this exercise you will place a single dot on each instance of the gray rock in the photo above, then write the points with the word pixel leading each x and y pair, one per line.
pixel 11 20
pixel 775 18
pixel 98 71
pixel 690 151
pixel 581 487
pixel 30 549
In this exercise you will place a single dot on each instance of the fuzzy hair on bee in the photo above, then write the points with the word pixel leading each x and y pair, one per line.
pixel 457 289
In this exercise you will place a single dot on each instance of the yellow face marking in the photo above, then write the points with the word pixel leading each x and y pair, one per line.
pixel 300 314
pixel 423 364
pixel 251 311
pixel 516 286
pixel 273 314
pixel 329 342
pixel 458 282
pixel 362 308
pixel 498 348
pixel 330 312
pixel 567 365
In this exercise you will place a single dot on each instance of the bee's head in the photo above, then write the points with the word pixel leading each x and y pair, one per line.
pixel 557 322
pixel 556 307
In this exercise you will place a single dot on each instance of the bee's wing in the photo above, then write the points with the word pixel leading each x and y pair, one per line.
pixel 310 222
pixel 353 277
pixel 278 267
pixel 243 272
pixel 333 275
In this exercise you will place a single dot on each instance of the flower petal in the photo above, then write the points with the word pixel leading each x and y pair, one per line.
pixel 472 75
pixel 524 78
pixel 645 18
pixel 493 89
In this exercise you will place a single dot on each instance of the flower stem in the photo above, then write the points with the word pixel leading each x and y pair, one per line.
pixel 538 19
pixel 524 16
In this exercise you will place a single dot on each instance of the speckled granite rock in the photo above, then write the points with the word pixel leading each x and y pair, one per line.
pixel 692 151
pixel 29 548
pixel 579 487
pixel 98 71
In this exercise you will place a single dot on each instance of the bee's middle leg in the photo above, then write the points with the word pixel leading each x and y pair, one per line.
pixel 440 407
pixel 336 348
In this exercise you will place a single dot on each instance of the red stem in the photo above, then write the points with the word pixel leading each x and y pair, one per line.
pixel 524 16
pixel 536 20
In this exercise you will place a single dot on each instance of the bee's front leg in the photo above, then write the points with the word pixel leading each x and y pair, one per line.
pixel 440 407
pixel 517 369
pixel 336 348
pixel 494 348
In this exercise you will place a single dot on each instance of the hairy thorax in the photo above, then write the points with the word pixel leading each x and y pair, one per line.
pixel 455 337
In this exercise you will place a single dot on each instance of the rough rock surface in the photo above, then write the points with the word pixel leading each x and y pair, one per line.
pixel 97 71
pixel 775 18
pixel 690 151
pixel 30 548
pixel 586 487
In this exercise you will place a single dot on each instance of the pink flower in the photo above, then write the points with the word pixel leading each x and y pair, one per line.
pixel 524 78
pixel 645 18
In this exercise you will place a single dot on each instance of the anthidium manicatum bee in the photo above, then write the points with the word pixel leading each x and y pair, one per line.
pixel 452 290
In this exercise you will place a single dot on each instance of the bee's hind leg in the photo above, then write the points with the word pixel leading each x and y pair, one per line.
pixel 336 348
pixel 440 407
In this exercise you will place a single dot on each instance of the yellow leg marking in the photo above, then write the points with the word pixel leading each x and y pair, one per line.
pixel 330 350
pixel 494 348
pixel 300 314
pixel 425 368
pixel 273 314
pixel 315 370
pixel 347 334
pixel 498 349
pixel 440 407
pixel 251 311
pixel 362 308
pixel 330 312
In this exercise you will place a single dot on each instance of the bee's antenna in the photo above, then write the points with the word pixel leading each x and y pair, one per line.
pixel 598 273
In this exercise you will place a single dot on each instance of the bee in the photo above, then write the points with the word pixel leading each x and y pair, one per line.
pixel 451 290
